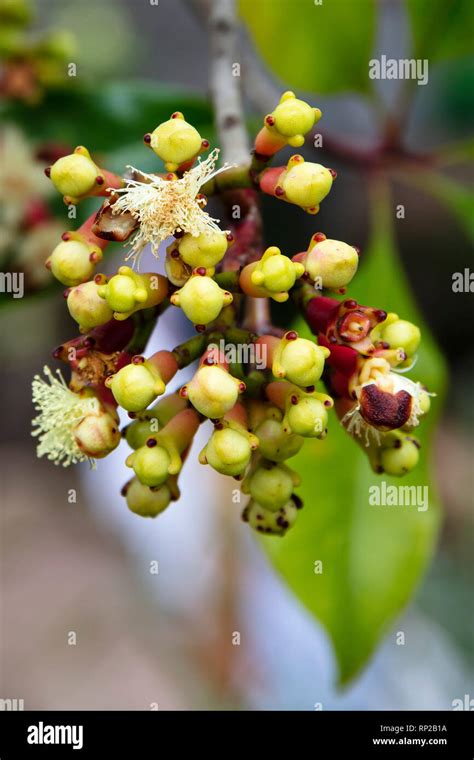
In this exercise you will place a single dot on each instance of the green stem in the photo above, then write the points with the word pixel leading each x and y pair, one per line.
pixel 186 353
pixel 228 281
pixel 145 321
pixel 238 335
pixel 235 178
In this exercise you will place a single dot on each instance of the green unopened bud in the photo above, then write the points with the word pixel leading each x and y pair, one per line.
pixel 271 485
pixel 227 451
pixel 73 261
pixel 98 434
pixel 269 521
pixel 177 272
pixel 299 360
pixel 275 443
pixel 307 417
pixel 128 291
pixel 148 422
pixel 86 306
pixel 12 40
pixel 424 402
pixel 201 299
pixel 58 45
pixel 292 118
pixel 136 385
pixel 151 464
pixel 144 501
pixel 138 432
pixel 204 250
pixel 15 12
pixel 306 184
pixel 331 262
pixel 75 175
pixel 213 391
pixel 400 333
pixel 275 274
pixel 401 457
pixel 175 141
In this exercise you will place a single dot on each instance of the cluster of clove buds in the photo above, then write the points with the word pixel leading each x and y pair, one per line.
pixel 261 411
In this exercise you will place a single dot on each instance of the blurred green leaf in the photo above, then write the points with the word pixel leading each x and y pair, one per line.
pixel 108 117
pixel 373 557
pixel 454 196
pixel 441 28
pixel 320 48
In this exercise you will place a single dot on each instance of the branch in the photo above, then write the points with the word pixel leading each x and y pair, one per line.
pixel 225 90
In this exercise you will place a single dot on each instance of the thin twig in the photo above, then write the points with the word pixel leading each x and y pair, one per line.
pixel 225 82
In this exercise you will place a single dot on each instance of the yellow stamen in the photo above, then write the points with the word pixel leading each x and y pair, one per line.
pixel 60 411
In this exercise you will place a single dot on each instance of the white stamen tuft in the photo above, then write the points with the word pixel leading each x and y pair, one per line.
pixel 165 206
pixel 357 426
pixel 60 411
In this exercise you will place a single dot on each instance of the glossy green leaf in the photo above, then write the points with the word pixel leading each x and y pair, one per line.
pixel 107 117
pixel 441 28
pixel 455 197
pixel 372 557
pixel 323 48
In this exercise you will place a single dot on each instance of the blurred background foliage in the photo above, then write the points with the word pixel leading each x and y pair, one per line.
pixel 392 143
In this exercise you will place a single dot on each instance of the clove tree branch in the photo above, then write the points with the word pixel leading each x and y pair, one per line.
pixel 224 82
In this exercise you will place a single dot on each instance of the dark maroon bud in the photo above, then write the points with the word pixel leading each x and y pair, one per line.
pixel 151 443
pixel 138 360
pixel 147 138
pixel 292 335
pixel 47 171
